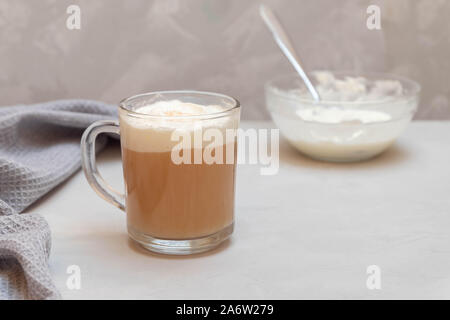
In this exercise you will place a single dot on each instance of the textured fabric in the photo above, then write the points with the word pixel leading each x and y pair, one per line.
pixel 39 148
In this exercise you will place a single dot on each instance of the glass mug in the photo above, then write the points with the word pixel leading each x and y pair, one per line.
pixel 177 201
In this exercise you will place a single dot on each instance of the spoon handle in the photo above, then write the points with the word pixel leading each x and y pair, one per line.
pixel 285 44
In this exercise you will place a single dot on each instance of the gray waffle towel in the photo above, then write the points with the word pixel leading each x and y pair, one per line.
pixel 39 148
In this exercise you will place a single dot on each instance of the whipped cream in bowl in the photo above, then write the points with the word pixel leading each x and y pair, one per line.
pixel 359 115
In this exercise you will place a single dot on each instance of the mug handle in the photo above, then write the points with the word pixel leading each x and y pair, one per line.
pixel 88 162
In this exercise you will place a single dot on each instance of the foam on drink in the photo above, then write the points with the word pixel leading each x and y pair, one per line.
pixel 153 134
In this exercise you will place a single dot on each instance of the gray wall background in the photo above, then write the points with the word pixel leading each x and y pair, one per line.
pixel 133 46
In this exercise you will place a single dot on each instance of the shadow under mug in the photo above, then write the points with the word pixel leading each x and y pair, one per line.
pixel 176 202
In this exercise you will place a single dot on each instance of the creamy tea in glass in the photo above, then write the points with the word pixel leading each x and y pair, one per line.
pixel 179 153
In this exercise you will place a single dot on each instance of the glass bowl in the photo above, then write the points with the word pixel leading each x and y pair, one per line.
pixel 348 127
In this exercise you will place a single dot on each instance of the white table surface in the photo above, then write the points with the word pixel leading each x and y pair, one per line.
pixel 308 232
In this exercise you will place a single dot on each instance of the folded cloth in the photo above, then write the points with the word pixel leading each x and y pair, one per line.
pixel 39 148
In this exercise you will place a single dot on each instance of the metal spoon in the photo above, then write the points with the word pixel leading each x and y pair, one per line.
pixel 286 46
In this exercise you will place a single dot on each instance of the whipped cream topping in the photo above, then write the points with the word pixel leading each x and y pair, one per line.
pixel 176 108
pixel 146 134
pixel 171 115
